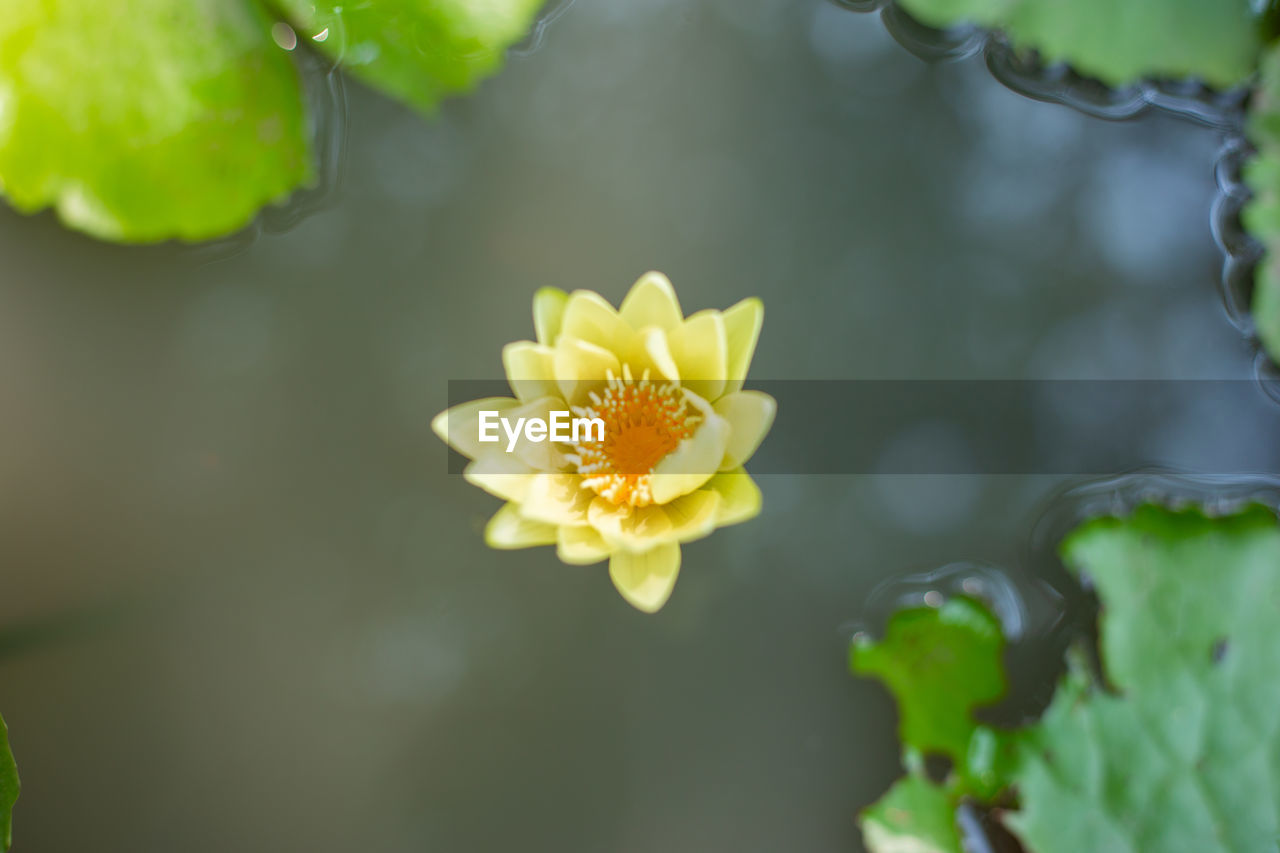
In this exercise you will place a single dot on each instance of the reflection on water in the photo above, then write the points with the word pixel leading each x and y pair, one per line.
pixel 1025 72
pixel 319 653
pixel 1243 253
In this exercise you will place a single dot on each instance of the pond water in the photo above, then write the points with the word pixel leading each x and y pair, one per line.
pixel 245 606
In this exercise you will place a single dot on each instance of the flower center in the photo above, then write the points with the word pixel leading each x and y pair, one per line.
pixel 643 422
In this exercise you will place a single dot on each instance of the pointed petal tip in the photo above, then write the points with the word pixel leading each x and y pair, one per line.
pixel 548 312
pixel 750 416
pixel 508 530
pixel 440 426
pixel 740 497
pixel 646 579
pixel 651 301
pixel 581 546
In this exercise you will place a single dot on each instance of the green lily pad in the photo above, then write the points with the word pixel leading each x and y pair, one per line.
pixel 1181 750
pixel 181 118
pixel 1266 307
pixel 173 119
pixel 417 50
pixel 1184 754
pixel 8 788
pixel 940 664
pixel 1119 41
pixel 1261 216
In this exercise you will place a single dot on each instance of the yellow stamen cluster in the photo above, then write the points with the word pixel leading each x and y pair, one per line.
pixel 644 421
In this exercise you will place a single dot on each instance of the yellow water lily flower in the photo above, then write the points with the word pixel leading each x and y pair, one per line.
pixel 677 428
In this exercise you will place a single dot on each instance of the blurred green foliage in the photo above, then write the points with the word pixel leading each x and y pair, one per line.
pixel 1119 41
pixel 8 788
pixel 1178 750
pixel 417 50
pixel 179 119
pixel 148 120
pixel 1261 216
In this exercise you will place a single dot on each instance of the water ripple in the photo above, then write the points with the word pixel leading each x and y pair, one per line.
pixel 1023 72
pixel 325 93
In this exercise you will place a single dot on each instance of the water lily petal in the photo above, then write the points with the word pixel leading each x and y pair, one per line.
pixel 543 455
pixel 530 370
pixel 646 580
pixel 502 474
pixel 742 325
pixel 750 414
pixel 739 497
pixel 460 426
pixel 701 353
pixel 589 317
pixel 581 546
pixel 693 515
pixel 651 302
pixel 696 459
pixel 628 527
pixel 651 352
pixel 548 312
pixel 557 499
pixel 508 529
pixel 582 367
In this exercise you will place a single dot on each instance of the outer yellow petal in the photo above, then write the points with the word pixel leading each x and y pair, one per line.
pixel 651 302
pixel 508 530
pixel 530 370
pixel 627 528
pixel 460 425
pixel 701 353
pixel 646 580
pixel 742 325
pixel 696 458
pixel 739 497
pixel 503 474
pixel 582 367
pixel 693 515
pixel 581 546
pixel 589 317
pixel 630 528
pixel 556 499
pixel 548 311
pixel 650 351
pixel 750 414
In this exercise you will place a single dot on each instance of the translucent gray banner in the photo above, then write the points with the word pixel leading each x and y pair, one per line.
pixel 1067 427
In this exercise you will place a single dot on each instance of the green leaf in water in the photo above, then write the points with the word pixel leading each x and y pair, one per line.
pixel 1181 749
pixel 916 816
pixel 1119 41
pixel 940 664
pixel 1261 216
pixel 8 788
pixel 417 50
pixel 160 119
pixel 181 118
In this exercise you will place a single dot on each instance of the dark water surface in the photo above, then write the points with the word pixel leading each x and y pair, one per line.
pixel 245 607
